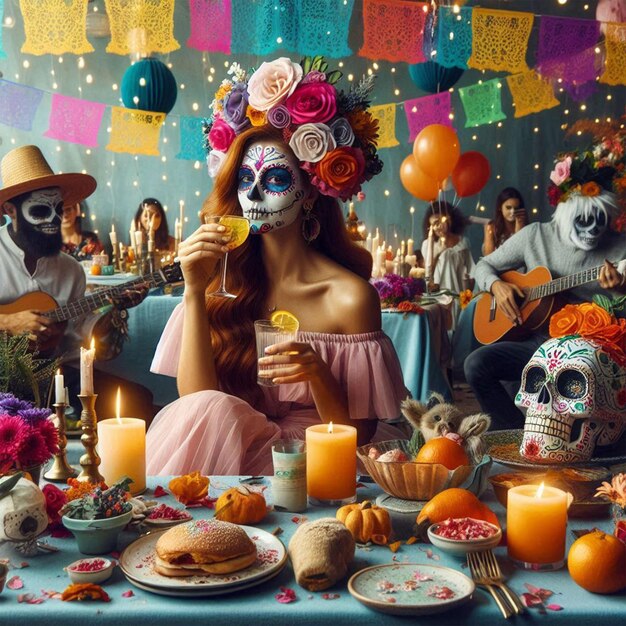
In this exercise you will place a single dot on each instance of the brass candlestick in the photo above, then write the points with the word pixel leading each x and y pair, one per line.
pixel 90 460
pixel 60 470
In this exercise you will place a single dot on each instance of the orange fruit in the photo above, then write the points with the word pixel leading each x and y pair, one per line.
pixel 96 270
pixel 454 502
pixel 597 562
pixel 443 450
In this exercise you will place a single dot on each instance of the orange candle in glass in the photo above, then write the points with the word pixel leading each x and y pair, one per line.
pixel 536 522
pixel 331 463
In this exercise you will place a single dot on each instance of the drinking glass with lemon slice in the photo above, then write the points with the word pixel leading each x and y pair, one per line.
pixel 239 230
pixel 281 327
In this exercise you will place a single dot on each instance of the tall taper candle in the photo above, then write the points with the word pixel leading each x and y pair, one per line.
pixel 181 206
pixel 87 357
pixel 59 388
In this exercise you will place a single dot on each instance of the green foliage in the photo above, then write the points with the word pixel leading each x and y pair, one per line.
pixel 612 305
pixel 21 372
pixel 101 504
pixel 416 442
pixel 359 96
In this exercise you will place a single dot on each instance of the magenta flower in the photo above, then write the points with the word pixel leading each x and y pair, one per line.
pixel 312 102
pixel 33 450
pixel 221 135
pixel 11 435
pixel 50 435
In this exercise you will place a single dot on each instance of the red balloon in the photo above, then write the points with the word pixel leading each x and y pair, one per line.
pixel 436 150
pixel 416 182
pixel 470 174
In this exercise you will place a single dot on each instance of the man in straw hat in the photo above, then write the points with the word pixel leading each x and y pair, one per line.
pixel 33 197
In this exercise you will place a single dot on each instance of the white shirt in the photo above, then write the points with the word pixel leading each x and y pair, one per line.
pixel 60 276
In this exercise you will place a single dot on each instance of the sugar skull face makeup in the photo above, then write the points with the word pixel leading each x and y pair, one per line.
pixel 43 210
pixel 271 187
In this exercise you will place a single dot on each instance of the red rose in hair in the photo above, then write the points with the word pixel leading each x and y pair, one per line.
pixel 554 194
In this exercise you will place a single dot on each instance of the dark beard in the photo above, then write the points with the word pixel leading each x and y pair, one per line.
pixel 34 242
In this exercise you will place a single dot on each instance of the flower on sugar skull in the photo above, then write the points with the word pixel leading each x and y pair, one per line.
pixel 331 133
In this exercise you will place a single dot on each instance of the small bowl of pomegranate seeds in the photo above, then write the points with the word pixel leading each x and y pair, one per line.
pixel 461 535
pixel 95 570
pixel 164 516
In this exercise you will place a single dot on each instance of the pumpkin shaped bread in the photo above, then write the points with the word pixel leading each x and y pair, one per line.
pixel 241 505
pixel 366 522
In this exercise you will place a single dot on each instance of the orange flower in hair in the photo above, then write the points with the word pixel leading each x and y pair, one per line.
pixel 567 321
pixel 257 118
pixel 590 189
pixel 190 487
pixel 85 591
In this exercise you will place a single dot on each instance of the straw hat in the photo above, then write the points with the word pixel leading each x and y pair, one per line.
pixel 25 169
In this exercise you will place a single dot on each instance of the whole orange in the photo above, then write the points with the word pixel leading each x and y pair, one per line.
pixel 96 270
pixel 454 502
pixel 443 450
pixel 597 562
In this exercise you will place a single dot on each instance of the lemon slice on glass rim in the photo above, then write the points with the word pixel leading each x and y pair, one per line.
pixel 239 229
pixel 285 321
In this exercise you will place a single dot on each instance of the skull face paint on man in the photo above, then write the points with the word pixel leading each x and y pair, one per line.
pixel 271 187
pixel 39 216
pixel 588 228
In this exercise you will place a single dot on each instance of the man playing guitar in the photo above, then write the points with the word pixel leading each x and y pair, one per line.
pixel 31 260
pixel 579 237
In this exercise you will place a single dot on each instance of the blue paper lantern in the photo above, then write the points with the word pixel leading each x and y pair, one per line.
pixel 434 78
pixel 149 85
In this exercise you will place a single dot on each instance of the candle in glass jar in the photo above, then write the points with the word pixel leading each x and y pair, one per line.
pixel 87 357
pixel 122 449
pixel 536 520
pixel 331 462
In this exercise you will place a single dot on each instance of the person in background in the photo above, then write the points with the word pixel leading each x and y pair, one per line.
pixel 510 217
pixel 79 243
pixel 150 214
pixel 299 257
pixel 450 257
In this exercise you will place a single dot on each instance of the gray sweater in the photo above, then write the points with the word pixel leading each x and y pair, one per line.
pixel 540 244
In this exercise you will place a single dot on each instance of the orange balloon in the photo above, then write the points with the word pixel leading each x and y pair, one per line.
pixel 436 150
pixel 416 182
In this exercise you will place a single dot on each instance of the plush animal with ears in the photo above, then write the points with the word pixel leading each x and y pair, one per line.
pixel 438 418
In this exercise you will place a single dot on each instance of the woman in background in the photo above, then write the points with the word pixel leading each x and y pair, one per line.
pixel 79 243
pixel 510 217
pixel 150 214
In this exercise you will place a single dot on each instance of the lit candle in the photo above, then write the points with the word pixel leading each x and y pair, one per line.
pixel 429 254
pixel 122 448
pixel 181 205
pixel 131 233
pixel 375 241
pixel 410 247
pixel 403 247
pixel 138 239
pixel 331 462
pixel 536 521
pixel 113 236
pixel 151 230
pixel 381 257
pixel 87 357
pixel 176 236
pixel 368 243
pixel 59 388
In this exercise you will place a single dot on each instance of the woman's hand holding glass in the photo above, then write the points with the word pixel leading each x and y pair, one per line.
pixel 199 254
pixel 297 362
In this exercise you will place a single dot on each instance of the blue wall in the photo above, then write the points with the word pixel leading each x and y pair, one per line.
pixel 524 158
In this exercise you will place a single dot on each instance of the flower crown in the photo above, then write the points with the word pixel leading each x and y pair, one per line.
pixel 601 167
pixel 331 133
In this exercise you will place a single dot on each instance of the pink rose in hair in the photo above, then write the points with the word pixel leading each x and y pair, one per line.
pixel 272 83
pixel 312 102
pixel 221 135
pixel 561 171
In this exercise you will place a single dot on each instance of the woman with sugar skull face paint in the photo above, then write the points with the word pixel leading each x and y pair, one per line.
pixel 298 257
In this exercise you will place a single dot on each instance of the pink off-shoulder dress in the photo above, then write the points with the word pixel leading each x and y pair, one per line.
pixel 219 434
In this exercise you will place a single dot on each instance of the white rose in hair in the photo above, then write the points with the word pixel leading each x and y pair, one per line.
pixel 310 142
pixel 273 82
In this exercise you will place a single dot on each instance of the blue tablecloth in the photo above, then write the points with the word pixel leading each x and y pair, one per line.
pixel 258 606
pixel 410 335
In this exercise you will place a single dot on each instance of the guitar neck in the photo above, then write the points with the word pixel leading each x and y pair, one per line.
pixel 564 283
pixel 100 298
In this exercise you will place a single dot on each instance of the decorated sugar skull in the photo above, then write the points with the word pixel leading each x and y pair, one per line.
pixel 574 396
pixel 22 510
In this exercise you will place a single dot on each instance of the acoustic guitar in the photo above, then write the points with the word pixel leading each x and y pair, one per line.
pixel 48 307
pixel 540 289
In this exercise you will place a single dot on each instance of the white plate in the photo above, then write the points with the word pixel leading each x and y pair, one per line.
pixel 164 523
pixel 404 588
pixel 137 563
pixel 196 593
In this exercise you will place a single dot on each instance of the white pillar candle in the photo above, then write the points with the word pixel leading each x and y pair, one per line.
pixel 122 449
pixel 59 388
pixel 368 243
pixel 410 247
pixel 138 239
pixel 113 236
pixel 381 256
pixel 375 242
pixel 87 357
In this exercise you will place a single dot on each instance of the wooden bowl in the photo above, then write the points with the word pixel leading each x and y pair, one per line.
pixel 420 481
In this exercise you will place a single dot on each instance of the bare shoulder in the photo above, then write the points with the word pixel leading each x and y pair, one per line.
pixel 356 306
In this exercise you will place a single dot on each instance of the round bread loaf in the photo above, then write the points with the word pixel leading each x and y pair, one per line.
pixel 204 546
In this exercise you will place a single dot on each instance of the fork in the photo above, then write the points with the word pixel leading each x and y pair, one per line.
pixel 480 578
pixel 492 571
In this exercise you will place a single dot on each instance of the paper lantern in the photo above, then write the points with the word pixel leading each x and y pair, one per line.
pixel 149 85
pixel 434 78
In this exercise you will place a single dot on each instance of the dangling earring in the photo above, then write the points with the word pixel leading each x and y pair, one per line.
pixel 310 223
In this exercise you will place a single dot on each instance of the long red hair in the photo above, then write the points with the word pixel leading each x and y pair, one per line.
pixel 232 320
